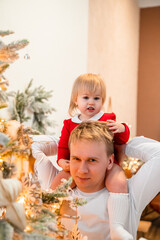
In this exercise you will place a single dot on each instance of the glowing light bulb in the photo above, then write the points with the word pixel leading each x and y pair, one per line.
pixel 21 200
pixel 28 229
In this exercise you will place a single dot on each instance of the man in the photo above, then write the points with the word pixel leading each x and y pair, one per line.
pixel 91 151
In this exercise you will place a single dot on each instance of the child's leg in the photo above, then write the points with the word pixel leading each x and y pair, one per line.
pixel 57 179
pixel 118 203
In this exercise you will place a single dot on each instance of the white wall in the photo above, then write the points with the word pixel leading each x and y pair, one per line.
pixel 58 32
pixel 113 52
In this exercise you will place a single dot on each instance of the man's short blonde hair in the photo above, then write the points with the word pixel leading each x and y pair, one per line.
pixel 93 131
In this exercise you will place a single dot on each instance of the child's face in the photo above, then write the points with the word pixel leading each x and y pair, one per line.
pixel 88 164
pixel 89 104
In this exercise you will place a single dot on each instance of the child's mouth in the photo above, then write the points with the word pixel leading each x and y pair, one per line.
pixel 90 108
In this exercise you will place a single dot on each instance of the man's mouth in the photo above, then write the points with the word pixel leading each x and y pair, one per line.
pixel 83 179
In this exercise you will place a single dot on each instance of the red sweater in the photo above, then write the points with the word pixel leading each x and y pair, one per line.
pixel 69 125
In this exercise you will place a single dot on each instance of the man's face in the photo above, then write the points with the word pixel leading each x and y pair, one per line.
pixel 88 165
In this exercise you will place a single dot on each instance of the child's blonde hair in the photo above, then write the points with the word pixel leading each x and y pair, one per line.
pixel 89 82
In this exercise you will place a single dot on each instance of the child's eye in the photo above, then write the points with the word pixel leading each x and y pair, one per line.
pixel 96 98
pixel 85 97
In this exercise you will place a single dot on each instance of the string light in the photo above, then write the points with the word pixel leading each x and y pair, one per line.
pixel 2 212
pixel 28 229
pixel 131 166
pixel 21 199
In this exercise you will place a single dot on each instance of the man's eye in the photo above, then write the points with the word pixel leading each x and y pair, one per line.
pixel 92 160
pixel 75 158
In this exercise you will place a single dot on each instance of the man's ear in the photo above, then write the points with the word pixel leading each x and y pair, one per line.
pixel 110 161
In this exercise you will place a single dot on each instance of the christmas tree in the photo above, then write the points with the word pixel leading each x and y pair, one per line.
pixel 27 212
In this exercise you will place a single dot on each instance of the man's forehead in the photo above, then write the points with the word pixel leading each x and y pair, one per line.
pixel 86 146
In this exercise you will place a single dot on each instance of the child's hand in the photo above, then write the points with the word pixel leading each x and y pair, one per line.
pixel 115 127
pixel 65 164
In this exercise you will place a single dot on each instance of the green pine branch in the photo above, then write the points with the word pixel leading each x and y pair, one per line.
pixel 15 46
pixel 3 67
pixel 33 104
pixel 8 54
pixel 4 33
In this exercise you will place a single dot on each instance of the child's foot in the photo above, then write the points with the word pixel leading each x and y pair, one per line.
pixel 119 233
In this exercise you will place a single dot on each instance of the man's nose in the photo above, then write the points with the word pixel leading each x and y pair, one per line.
pixel 83 168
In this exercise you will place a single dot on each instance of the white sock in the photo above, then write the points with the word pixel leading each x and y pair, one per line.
pixel 118 211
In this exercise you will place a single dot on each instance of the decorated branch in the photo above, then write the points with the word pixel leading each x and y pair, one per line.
pixel 15 149
pixel 8 54
pixel 33 104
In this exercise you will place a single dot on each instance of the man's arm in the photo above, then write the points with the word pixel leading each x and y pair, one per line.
pixel 42 147
pixel 144 185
